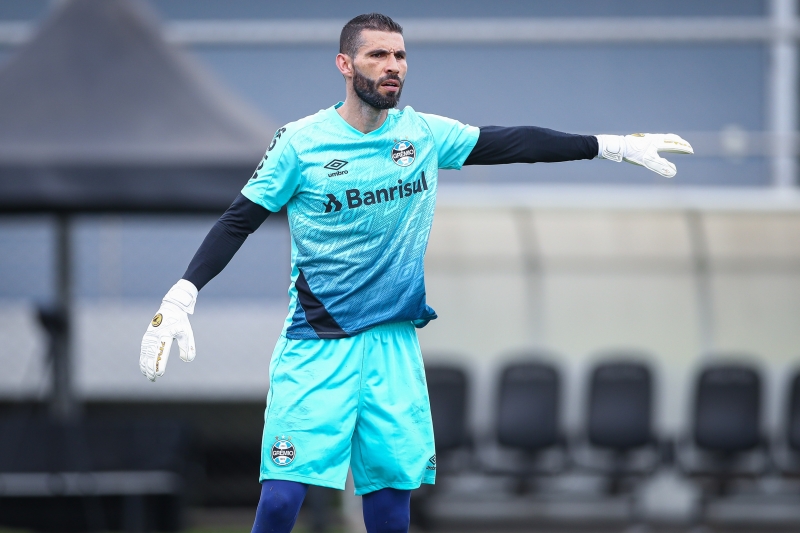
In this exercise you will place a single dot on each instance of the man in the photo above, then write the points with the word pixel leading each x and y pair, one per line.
pixel 347 384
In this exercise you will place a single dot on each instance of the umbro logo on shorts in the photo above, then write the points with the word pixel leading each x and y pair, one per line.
pixel 431 463
pixel 283 451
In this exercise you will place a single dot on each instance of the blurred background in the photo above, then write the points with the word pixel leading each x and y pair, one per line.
pixel 615 351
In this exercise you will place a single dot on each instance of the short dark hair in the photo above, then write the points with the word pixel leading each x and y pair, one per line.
pixel 350 39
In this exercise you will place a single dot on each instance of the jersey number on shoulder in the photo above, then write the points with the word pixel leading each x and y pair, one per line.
pixel 271 146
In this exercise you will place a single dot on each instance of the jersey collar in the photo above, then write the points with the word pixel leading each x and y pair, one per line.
pixel 374 133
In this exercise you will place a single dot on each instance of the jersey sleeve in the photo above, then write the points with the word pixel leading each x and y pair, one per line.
pixel 454 140
pixel 278 176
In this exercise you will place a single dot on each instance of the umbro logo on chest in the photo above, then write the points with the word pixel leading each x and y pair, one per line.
pixel 403 154
pixel 336 165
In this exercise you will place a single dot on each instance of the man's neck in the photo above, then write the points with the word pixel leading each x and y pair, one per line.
pixel 361 115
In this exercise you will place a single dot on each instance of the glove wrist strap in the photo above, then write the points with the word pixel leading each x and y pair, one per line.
pixel 183 294
pixel 610 147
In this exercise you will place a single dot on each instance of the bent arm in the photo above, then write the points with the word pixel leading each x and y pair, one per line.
pixel 528 144
pixel 241 219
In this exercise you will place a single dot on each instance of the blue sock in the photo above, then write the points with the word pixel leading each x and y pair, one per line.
pixel 278 507
pixel 387 511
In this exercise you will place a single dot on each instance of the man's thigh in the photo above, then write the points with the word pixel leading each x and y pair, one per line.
pixel 393 443
pixel 311 410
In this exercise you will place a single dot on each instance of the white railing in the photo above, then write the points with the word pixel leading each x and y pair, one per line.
pixel 780 31
pixel 472 31
pixel 484 31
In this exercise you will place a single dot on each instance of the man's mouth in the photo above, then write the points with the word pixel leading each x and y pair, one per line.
pixel 391 85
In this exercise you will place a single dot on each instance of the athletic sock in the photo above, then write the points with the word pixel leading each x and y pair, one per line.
pixel 278 507
pixel 387 511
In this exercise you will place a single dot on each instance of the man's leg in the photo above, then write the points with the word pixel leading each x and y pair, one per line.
pixel 387 511
pixel 393 443
pixel 278 507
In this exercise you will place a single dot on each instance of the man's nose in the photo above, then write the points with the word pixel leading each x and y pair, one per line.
pixel 392 65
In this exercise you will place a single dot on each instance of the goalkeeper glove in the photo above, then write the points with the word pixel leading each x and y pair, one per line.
pixel 642 149
pixel 171 322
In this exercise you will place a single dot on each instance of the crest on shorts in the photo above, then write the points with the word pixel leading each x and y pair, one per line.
pixel 283 451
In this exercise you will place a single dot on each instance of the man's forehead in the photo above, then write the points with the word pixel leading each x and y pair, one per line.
pixel 389 40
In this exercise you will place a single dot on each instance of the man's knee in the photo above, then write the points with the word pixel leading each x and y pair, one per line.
pixel 278 507
pixel 387 511
pixel 279 504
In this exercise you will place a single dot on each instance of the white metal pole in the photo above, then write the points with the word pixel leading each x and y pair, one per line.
pixel 702 277
pixel 783 93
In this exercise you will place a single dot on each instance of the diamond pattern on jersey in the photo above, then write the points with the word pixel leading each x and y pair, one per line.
pixel 360 224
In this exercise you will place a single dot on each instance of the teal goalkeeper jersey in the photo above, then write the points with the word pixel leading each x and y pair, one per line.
pixel 360 209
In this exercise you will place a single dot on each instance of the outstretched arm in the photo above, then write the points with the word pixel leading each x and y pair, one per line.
pixel 528 144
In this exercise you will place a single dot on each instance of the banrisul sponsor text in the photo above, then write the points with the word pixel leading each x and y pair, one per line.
pixel 357 197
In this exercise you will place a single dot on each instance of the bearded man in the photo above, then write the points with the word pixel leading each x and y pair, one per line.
pixel 347 384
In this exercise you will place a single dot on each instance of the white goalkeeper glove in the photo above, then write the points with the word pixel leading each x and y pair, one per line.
pixel 171 322
pixel 642 149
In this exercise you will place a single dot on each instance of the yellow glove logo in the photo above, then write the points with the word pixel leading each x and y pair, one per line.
pixel 160 353
pixel 157 320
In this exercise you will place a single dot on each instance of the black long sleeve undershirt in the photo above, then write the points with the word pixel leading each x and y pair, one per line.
pixel 496 146
pixel 528 144
pixel 241 219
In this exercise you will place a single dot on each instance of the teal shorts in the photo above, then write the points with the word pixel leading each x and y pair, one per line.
pixel 359 402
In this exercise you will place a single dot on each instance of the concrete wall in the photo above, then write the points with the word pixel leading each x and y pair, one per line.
pixel 673 285
pixel 581 283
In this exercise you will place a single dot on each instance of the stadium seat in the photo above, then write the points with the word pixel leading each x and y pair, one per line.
pixel 528 406
pixel 793 419
pixel 447 390
pixel 620 406
pixel 728 409
pixel 620 444
pixel 727 443
pixel 528 422
pixel 786 450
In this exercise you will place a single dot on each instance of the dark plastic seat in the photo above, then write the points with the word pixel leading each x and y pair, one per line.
pixel 793 421
pixel 786 449
pixel 727 411
pixel 621 446
pixel 620 406
pixel 728 443
pixel 528 406
pixel 447 390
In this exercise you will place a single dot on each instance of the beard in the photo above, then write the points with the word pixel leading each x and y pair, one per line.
pixel 368 90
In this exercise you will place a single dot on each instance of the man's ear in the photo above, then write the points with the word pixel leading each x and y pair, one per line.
pixel 345 65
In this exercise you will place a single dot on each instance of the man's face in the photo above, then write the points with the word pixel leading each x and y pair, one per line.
pixel 379 68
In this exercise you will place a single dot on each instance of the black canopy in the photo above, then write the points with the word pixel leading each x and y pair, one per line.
pixel 98 113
